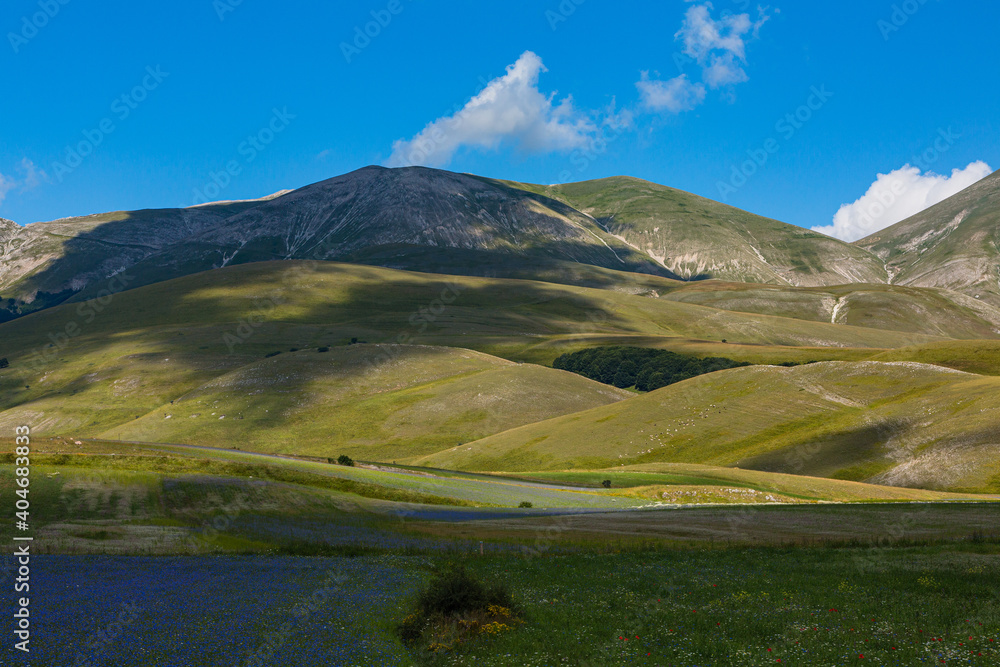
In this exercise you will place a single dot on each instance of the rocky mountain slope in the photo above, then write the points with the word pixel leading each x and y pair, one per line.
pixel 619 233
pixel 383 216
pixel 43 264
pixel 411 218
pixel 953 245
pixel 696 237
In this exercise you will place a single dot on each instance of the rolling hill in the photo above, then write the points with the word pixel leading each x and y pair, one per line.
pixel 898 423
pixel 932 311
pixel 217 339
pixel 87 369
pixel 352 401
pixel 695 237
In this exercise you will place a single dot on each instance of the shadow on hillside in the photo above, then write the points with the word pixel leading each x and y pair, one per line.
pixel 242 314
pixel 98 261
pixel 329 221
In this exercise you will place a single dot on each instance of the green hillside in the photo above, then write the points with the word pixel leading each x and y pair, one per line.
pixel 893 307
pixel 696 237
pixel 899 423
pixel 380 305
pixel 106 366
pixel 205 343
pixel 352 401
pixel 980 356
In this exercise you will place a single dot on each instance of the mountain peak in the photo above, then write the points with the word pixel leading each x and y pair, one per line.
pixel 226 202
pixel 954 244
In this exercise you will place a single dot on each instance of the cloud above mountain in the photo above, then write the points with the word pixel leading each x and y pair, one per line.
pixel 717 46
pixel 896 196
pixel 31 177
pixel 513 111
pixel 675 95
pixel 510 110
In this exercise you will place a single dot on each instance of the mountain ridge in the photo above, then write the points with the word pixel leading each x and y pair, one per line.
pixel 954 244
pixel 437 221
pixel 696 237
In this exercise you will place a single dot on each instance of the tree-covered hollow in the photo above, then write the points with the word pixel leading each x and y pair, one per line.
pixel 643 368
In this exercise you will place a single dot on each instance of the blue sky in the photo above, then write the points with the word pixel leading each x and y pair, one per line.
pixel 697 89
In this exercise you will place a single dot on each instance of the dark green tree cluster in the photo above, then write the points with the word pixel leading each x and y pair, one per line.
pixel 643 368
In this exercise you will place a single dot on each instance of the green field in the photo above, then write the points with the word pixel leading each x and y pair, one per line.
pixel 127 495
pixel 114 369
pixel 365 403
pixel 870 421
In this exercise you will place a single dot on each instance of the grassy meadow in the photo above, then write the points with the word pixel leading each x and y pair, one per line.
pixel 185 437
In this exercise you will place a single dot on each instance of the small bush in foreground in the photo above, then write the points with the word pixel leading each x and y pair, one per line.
pixel 456 607
pixel 525 503
pixel 345 460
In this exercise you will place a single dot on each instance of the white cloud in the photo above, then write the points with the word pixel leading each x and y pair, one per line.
pixel 676 95
pixel 724 71
pixel 718 46
pixel 511 109
pixel 702 35
pixel 896 196
pixel 6 185
pixel 617 120
pixel 32 178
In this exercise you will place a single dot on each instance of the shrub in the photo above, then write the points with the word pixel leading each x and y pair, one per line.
pixel 644 368
pixel 4 363
pixel 453 590
pixel 323 349
pixel 354 341
pixel 525 503
pixel 345 460
pixel 271 354
pixel 456 605
pixel 606 484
